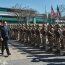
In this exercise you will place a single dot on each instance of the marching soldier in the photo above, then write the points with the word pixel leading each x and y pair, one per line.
pixel 21 33
pixel 16 32
pixel 32 35
pixel 0 37
pixel 37 35
pixel 63 38
pixel 25 34
pixel 43 32
pixel 13 30
pixel 57 38
pixel 50 37
pixel 29 34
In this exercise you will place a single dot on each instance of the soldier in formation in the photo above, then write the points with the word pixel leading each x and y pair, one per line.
pixel 50 36
pixel 43 36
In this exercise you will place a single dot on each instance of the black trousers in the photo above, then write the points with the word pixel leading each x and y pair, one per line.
pixel 5 46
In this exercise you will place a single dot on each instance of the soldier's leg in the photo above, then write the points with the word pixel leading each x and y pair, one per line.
pixel 26 38
pixel 38 41
pixel 62 43
pixel 43 41
pixel 36 37
pixel 29 38
pixel 50 44
pixel 32 39
pixel 6 47
pixel 23 37
pixel 58 46
pixel 20 36
pixel 2 48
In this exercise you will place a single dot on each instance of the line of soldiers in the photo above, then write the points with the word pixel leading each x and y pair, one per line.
pixel 48 37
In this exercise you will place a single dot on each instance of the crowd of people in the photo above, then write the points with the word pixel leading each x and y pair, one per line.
pixel 46 37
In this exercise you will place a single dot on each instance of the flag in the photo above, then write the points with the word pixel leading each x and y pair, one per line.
pixel 58 11
pixel 52 12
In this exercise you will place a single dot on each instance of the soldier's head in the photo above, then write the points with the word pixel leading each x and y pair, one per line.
pixel 0 23
pixel 57 26
pixel 49 27
pixel 4 23
pixel 43 26
pixel 26 26
pixel 37 26
pixel 21 25
pixel 63 27
pixel 32 27
pixel 29 26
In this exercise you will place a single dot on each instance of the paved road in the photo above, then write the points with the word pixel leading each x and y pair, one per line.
pixel 27 55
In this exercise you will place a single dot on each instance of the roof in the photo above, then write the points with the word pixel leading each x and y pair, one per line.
pixel 11 11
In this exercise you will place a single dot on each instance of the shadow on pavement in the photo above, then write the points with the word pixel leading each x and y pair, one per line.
pixel 38 55
pixel 56 64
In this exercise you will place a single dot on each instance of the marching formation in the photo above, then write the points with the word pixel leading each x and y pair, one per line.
pixel 48 37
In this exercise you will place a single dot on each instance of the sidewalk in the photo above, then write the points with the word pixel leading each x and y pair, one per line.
pixel 25 55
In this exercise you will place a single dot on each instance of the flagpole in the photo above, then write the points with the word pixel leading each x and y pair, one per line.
pixel 46 13
pixel 51 18
pixel 58 13
pixel 51 13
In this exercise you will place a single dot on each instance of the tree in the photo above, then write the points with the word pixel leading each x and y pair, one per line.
pixel 20 12
pixel 62 9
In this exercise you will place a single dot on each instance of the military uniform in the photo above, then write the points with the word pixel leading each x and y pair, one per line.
pixel 0 37
pixel 21 33
pixel 25 34
pixel 43 32
pixel 50 37
pixel 33 36
pixel 29 34
pixel 37 36
pixel 63 39
pixel 57 38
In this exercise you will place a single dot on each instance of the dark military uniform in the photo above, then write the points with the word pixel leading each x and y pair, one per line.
pixel 0 37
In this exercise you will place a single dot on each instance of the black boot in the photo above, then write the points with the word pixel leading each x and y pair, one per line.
pixel 57 51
